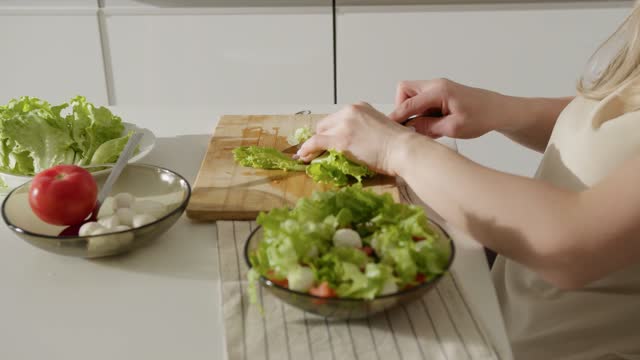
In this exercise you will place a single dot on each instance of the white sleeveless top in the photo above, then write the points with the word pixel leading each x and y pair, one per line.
pixel 601 321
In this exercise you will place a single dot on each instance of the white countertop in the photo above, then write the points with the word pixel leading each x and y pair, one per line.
pixel 161 302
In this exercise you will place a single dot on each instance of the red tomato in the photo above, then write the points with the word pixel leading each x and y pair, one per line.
pixel 367 250
pixel 282 282
pixel 323 290
pixel 63 195
pixel 417 238
pixel 420 278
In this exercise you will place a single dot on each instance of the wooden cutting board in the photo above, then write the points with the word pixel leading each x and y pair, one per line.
pixel 224 190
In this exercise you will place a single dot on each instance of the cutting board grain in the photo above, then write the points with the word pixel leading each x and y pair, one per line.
pixel 224 190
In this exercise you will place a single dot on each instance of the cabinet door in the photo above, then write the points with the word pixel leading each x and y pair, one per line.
pixel 35 4
pixel 528 50
pixel 53 56
pixel 221 55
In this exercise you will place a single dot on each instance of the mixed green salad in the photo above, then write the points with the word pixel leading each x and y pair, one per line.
pixel 35 135
pixel 332 167
pixel 347 243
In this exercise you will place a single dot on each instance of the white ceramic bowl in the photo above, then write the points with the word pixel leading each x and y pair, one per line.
pixel 146 145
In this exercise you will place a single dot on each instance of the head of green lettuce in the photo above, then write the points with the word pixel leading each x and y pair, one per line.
pixel 35 135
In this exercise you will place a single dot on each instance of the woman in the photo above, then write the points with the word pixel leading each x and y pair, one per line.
pixel 568 278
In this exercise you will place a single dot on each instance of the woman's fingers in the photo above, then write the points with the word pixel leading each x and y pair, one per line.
pixel 314 147
pixel 435 127
pixel 432 95
pixel 405 90
pixel 418 104
pixel 425 125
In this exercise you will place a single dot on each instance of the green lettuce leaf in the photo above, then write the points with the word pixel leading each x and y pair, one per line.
pixel 334 168
pixel 35 130
pixel 300 136
pixel 35 135
pixel 266 158
pixel 109 151
pixel 331 168
pixel 92 127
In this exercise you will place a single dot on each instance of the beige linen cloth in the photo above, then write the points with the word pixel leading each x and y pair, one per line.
pixel 441 326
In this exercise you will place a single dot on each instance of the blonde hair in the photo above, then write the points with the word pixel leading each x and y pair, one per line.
pixel 616 61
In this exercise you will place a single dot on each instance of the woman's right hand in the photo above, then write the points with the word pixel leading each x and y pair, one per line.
pixel 463 112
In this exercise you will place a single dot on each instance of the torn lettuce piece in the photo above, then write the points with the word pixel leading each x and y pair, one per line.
pixel 110 151
pixel 334 168
pixel 266 158
pixel 300 136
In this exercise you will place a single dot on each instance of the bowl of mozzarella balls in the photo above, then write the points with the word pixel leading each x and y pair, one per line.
pixel 145 202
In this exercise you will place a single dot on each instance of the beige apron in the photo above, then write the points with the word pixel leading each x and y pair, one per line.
pixel 601 321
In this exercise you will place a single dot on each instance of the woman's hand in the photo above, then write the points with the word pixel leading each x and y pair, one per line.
pixel 362 133
pixel 466 112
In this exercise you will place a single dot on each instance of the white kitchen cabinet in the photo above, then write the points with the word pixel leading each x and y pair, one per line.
pixel 31 4
pixel 528 50
pixel 210 3
pixel 220 55
pixel 51 55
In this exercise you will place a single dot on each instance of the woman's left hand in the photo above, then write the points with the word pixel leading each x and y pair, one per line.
pixel 362 133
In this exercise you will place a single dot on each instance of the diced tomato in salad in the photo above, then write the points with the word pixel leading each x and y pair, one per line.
pixel 367 250
pixel 323 290
pixel 417 238
pixel 281 282
pixel 420 278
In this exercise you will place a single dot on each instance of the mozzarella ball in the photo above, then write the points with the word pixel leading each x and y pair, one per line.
pixel 123 200
pixel 102 244
pixel 100 231
pixel 142 219
pixel 300 279
pixel 88 228
pixel 150 207
pixel 389 287
pixel 125 216
pixel 106 208
pixel 109 222
pixel 347 238
pixel 121 228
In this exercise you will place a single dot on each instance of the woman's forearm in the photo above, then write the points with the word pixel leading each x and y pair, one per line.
pixel 520 218
pixel 530 121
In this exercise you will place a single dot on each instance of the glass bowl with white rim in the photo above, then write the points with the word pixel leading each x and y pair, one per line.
pixel 145 182
pixel 347 308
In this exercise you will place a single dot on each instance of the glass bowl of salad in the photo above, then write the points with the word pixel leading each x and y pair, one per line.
pixel 145 202
pixel 347 254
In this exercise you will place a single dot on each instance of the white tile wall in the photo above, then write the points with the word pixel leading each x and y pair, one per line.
pixel 516 49
pixel 238 57
pixel 54 57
